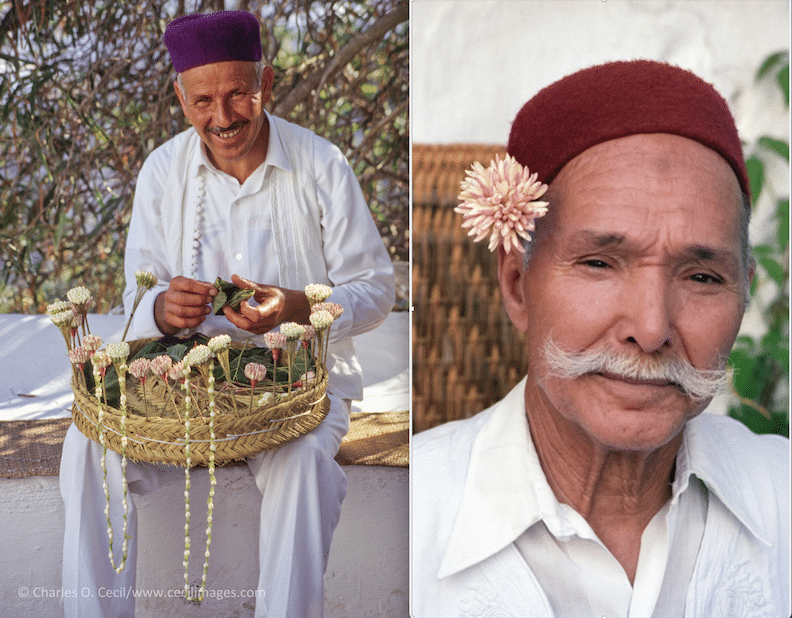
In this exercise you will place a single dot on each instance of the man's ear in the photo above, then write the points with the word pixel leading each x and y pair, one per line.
pixel 180 96
pixel 267 81
pixel 511 277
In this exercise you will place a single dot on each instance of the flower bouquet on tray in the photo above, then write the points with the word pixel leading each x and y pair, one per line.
pixel 196 401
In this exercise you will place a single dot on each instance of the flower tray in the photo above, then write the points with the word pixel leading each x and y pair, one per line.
pixel 155 431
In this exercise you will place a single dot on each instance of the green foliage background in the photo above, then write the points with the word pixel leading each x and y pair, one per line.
pixel 761 364
pixel 86 94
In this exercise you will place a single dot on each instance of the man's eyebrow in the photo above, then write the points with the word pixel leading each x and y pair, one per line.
pixel 608 240
pixel 597 240
pixel 712 254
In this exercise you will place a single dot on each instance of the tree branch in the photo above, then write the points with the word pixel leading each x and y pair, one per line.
pixel 314 81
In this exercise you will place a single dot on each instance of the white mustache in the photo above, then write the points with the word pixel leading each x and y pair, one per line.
pixel 698 384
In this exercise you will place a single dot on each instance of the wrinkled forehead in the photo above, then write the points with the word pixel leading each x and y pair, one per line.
pixel 665 179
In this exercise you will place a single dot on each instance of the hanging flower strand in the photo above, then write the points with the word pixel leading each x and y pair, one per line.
pixel 501 201
pixel 118 354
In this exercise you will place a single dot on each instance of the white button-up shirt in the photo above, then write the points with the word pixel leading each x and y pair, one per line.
pixel 300 218
pixel 489 537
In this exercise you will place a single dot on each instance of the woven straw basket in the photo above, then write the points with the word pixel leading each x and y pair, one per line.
pixel 238 433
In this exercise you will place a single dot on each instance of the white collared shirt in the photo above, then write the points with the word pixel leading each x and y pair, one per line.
pixel 322 232
pixel 489 538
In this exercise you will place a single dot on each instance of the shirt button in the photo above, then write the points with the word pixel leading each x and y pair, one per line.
pixel 239 256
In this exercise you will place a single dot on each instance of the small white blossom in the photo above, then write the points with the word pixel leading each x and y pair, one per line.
pixel 118 352
pixel 197 356
pixel 79 296
pixel 220 342
pixel 145 279
pixel 57 307
pixel 65 318
pixel 100 359
pixel 321 320
pixel 317 292
pixel 292 330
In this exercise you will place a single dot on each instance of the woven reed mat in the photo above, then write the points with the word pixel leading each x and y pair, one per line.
pixel 33 448
pixel 466 354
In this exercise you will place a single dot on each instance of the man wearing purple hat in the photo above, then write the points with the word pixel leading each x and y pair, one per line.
pixel 597 487
pixel 251 198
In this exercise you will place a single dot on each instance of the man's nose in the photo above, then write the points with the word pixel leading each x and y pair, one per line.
pixel 223 115
pixel 647 306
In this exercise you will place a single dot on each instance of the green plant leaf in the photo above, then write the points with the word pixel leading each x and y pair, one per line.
pixel 229 295
pixel 783 82
pixel 756 174
pixel 769 63
pixel 780 147
pixel 773 269
pixel 782 213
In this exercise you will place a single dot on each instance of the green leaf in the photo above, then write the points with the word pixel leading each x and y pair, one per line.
pixel 783 82
pixel 229 295
pixel 771 61
pixel 773 269
pixel 219 302
pixel 780 147
pixel 782 212
pixel 756 175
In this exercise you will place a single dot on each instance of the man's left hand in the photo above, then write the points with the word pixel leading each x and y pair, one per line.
pixel 275 306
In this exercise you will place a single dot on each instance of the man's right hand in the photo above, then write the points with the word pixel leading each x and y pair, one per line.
pixel 185 304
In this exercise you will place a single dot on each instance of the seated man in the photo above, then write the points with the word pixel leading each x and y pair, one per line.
pixel 597 487
pixel 240 194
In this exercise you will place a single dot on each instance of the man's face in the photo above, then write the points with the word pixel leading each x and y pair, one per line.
pixel 640 254
pixel 224 104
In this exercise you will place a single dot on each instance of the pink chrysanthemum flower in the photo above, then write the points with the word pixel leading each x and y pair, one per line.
pixel 275 341
pixel 92 342
pixel 308 335
pixel 79 356
pixel 333 309
pixel 501 201
pixel 255 372
pixel 178 372
pixel 140 368
pixel 160 365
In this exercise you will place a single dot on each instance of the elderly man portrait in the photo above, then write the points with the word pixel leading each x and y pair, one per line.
pixel 597 487
pixel 253 199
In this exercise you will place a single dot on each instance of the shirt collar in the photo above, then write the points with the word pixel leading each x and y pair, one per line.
pixel 276 155
pixel 730 481
pixel 506 491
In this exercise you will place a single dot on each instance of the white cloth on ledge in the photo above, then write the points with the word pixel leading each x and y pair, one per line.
pixel 35 373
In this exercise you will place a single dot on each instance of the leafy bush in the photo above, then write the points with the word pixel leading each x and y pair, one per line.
pixel 761 364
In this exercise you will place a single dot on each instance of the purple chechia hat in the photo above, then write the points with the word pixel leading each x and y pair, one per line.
pixel 205 38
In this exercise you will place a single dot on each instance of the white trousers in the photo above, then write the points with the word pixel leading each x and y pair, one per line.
pixel 302 489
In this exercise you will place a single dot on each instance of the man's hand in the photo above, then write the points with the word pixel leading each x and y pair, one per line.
pixel 185 304
pixel 275 306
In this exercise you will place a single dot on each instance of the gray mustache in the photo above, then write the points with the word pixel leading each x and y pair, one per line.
pixel 234 126
pixel 698 384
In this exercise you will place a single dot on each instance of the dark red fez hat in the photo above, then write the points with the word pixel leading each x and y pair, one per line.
pixel 195 40
pixel 618 99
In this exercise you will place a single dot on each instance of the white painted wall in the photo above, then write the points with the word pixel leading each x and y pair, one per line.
pixel 475 62
pixel 366 574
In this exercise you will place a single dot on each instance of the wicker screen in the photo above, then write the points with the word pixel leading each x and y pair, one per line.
pixel 466 353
